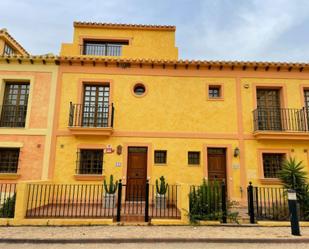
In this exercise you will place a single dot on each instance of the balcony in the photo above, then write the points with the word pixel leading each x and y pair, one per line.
pixel 281 123
pixel 13 116
pixel 91 119
pixel 101 49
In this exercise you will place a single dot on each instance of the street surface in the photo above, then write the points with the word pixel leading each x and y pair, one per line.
pixel 155 246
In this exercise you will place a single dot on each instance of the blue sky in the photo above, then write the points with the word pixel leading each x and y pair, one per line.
pixel 255 30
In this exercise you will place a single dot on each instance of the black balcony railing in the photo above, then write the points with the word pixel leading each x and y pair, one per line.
pixel 281 119
pixel 101 115
pixel 13 115
pixel 101 49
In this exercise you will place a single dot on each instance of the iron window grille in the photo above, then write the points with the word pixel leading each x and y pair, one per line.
pixel 214 92
pixel 160 156
pixel 194 157
pixel 103 48
pixel 14 108
pixel 272 164
pixel 9 160
pixel 89 161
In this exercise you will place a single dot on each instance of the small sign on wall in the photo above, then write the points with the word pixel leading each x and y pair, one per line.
pixel 109 149
pixel 236 166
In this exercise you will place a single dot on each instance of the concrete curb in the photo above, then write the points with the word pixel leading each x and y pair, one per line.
pixel 153 240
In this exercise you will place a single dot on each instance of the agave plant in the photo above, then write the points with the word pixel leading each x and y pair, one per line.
pixel 293 175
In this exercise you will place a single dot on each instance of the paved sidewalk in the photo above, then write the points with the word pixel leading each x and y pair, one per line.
pixel 148 232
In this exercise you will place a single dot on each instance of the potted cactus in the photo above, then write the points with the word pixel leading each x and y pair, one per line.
pixel 110 193
pixel 161 190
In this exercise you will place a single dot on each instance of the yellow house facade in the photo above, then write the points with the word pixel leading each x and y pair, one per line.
pixel 193 119
pixel 118 101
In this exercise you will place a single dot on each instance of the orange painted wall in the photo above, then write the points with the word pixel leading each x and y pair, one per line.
pixel 30 157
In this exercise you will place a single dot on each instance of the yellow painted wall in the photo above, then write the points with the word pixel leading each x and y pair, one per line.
pixel 176 115
pixel 144 44
pixel 172 104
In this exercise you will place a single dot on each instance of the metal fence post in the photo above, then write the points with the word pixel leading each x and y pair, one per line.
pixel 147 202
pixel 292 200
pixel 250 203
pixel 224 206
pixel 119 201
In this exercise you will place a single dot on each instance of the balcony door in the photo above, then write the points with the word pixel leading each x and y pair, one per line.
pixel 268 106
pixel 96 106
pixel 306 105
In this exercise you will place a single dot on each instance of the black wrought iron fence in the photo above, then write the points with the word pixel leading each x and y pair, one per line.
pixel 142 202
pixel 70 201
pixel 271 203
pixel 7 200
pixel 164 205
pixel 268 203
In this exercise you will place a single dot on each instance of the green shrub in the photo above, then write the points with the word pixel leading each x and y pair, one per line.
pixel 205 202
pixel 8 207
pixel 293 175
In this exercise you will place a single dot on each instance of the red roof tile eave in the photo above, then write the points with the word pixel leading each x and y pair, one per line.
pixel 124 26
pixel 11 38
pixel 65 59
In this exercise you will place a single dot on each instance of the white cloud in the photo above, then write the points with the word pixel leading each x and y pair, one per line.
pixel 254 28
pixel 206 29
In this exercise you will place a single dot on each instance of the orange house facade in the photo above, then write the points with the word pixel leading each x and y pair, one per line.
pixel 27 96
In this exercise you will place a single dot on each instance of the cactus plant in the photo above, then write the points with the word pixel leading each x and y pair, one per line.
pixel 162 189
pixel 111 188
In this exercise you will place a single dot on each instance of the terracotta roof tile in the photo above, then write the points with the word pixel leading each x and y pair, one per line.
pixel 168 62
pixel 123 26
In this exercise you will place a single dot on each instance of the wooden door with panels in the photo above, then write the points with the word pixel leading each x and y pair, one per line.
pixel 136 173
pixel 216 164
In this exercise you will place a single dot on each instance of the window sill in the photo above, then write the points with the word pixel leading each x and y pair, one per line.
pixel 87 177
pixel 9 176
pixel 194 165
pixel 215 99
pixel 160 164
pixel 271 181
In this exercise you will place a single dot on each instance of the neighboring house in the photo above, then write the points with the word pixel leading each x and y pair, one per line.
pixel 27 97
pixel 9 46
pixel 127 106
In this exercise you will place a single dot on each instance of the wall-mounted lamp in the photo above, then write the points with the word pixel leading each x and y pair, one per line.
pixel 236 152
pixel 119 150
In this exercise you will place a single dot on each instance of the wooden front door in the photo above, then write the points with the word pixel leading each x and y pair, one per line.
pixel 136 173
pixel 216 163
pixel 268 105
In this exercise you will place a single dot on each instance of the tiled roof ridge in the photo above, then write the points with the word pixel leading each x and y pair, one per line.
pixel 5 32
pixel 124 25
